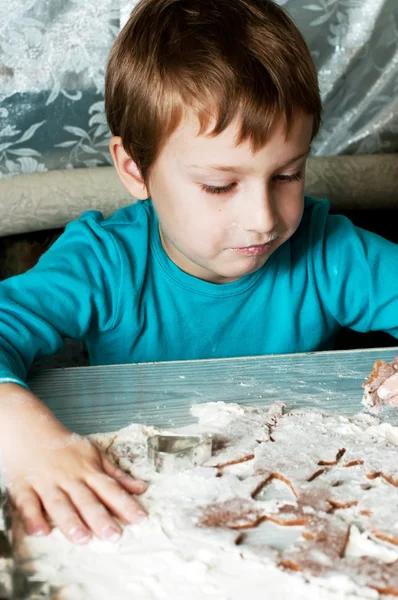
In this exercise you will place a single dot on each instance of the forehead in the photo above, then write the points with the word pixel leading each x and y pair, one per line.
pixel 187 146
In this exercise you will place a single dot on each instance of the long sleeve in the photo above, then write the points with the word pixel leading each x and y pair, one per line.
pixel 74 286
pixel 356 274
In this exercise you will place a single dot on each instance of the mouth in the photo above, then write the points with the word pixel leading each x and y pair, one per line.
pixel 256 250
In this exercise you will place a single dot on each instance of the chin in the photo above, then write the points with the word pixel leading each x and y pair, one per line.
pixel 239 272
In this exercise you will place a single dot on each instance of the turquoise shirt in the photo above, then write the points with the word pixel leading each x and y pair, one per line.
pixel 110 283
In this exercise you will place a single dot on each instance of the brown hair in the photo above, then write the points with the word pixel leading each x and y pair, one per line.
pixel 221 58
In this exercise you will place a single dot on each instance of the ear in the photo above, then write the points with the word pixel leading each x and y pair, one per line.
pixel 127 170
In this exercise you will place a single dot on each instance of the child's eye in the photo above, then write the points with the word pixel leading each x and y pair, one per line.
pixel 213 189
pixel 288 178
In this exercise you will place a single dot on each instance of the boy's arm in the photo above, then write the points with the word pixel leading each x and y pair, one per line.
pixel 73 287
pixel 356 274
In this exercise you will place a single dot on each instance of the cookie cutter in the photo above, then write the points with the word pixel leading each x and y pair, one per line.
pixel 170 453
pixel 15 584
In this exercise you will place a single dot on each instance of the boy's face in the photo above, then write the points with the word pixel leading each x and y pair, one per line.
pixel 222 209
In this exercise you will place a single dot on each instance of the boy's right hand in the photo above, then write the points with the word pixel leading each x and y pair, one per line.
pixel 48 469
pixel 388 391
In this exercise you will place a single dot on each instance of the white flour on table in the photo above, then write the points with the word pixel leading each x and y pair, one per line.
pixel 299 505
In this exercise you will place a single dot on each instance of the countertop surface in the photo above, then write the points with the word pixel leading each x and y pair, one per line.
pixel 106 398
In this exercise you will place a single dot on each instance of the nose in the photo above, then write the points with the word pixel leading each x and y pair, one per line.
pixel 259 211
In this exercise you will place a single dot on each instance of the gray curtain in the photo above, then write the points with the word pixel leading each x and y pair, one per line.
pixel 53 55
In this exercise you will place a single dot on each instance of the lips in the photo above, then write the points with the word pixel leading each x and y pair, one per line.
pixel 253 250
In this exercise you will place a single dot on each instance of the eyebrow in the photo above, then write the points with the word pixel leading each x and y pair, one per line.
pixel 238 169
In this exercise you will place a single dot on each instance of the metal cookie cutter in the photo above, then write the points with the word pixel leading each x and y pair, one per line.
pixel 170 453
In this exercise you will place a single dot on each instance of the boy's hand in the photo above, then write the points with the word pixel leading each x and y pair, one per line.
pixel 388 391
pixel 48 469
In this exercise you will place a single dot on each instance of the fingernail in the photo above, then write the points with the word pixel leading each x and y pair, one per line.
pixel 79 535
pixel 138 517
pixel 385 393
pixel 110 534
pixel 131 479
pixel 142 485
pixel 38 532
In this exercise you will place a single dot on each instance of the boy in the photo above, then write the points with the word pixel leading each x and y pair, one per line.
pixel 213 107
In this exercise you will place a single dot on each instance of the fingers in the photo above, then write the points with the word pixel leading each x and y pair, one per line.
pixel 77 497
pixel 389 390
pixel 31 511
pixel 94 513
pixel 134 486
pixel 119 502
pixel 64 514
pixel 78 510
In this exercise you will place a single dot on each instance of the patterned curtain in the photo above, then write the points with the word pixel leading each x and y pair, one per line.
pixel 53 55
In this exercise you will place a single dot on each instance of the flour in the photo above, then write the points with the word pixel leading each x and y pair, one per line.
pixel 259 515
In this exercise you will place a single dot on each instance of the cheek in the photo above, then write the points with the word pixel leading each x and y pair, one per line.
pixel 193 224
pixel 225 230
pixel 174 210
pixel 231 228
pixel 202 215
pixel 292 213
